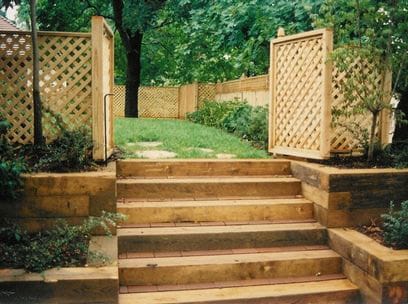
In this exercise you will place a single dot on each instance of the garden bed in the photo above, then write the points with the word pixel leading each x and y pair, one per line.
pixel 381 273
pixel 96 283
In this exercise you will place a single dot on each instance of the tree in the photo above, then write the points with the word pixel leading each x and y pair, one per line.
pixel 38 134
pixel 377 25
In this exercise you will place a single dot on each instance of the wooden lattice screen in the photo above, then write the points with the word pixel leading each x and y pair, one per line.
pixel 301 77
pixel 306 90
pixel 65 81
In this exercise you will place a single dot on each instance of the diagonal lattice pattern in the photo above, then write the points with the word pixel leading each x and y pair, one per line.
pixel 65 82
pixel 299 68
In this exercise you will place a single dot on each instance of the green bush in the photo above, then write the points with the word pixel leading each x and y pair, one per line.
pixel 71 151
pixel 240 118
pixel 62 246
pixel 396 226
pixel 11 166
pixel 212 113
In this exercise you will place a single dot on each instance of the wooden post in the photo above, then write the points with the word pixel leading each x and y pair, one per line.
pixel 326 94
pixel 102 85
pixel 97 88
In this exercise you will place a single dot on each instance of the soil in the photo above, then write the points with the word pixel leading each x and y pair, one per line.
pixel 354 162
pixel 373 231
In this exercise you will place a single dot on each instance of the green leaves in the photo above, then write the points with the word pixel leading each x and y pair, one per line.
pixel 396 226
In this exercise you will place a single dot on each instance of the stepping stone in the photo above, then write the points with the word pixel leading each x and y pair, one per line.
pixel 205 150
pixel 149 144
pixel 225 156
pixel 153 154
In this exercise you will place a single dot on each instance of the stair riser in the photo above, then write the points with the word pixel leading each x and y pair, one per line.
pixel 196 190
pixel 301 211
pixel 228 272
pixel 137 168
pixel 256 239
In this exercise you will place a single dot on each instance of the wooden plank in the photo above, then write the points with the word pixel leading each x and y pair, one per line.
pixel 329 292
pixel 326 94
pixel 219 237
pixel 218 210
pixel 154 168
pixel 97 89
pixel 207 188
pixel 233 267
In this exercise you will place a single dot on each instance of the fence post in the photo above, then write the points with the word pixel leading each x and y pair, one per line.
pixel 327 94
pixel 102 87
pixel 384 125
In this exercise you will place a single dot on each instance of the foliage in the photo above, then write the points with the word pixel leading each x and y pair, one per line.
pixel 62 246
pixel 187 139
pixel 363 87
pixel 396 226
pixel 240 118
pixel 213 113
pixel 217 40
pixel 11 167
pixel 71 151
pixel 380 25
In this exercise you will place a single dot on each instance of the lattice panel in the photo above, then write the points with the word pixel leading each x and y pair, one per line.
pixel 158 102
pixel 119 100
pixel 341 138
pixel 205 92
pixel 65 82
pixel 298 103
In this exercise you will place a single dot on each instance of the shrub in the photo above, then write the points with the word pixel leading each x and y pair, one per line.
pixel 212 113
pixel 11 166
pixel 396 226
pixel 62 246
pixel 71 151
pixel 239 118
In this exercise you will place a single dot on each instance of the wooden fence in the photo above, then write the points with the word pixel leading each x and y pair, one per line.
pixel 305 88
pixel 255 90
pixel 72 89
pixel 165 102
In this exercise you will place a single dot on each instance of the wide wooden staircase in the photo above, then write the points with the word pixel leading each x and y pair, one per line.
pixel 222 231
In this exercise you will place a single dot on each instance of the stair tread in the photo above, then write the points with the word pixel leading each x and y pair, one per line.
pixel 227 259
pixel 208 180
pixel 217 229
pixel 216 202
pixel 240 293
pixel 187 253
pixel 225 284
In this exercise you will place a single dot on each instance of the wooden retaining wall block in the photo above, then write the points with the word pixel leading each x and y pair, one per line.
pixel 349 197
pixel 381 273
pixel 69 196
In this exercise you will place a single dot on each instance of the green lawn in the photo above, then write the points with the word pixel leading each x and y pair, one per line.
pixel 182 137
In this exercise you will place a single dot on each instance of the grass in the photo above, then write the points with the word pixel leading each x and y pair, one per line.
pixel 181 137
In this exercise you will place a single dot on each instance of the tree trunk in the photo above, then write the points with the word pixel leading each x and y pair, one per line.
pixel 371 144
pixel 38 135
pixel 133 55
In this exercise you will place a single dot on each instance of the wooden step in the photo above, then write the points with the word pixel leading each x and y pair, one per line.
pixel 208 188
pixel 214 268
pixel 219 237
pixel 201 167
pixel 216 210
pixel 330 291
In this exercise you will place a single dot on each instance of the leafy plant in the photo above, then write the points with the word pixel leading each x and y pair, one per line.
pixel 63 246
pixel 212 113
pixel 237 117
pixel 11 166
pixel 396 226
pixel 71 151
